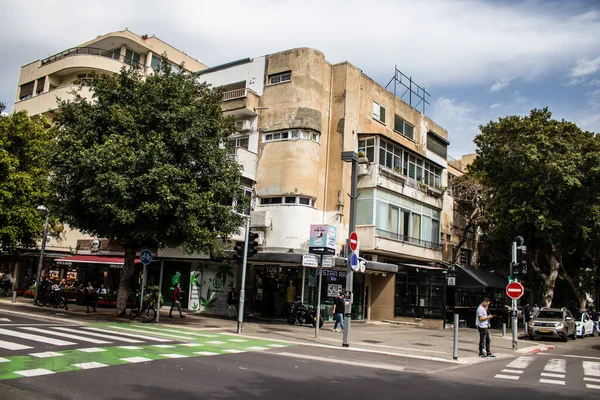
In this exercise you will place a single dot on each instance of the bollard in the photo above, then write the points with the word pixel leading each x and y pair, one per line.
pixel 504 329
pixel 14 299
pixel 455 353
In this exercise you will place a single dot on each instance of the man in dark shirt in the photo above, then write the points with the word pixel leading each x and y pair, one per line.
pixel 338 312
pixel 594 316
pixel 176 302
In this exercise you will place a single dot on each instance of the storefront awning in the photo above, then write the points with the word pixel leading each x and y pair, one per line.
pixel 420 266
pixel 93 260
pixel 478 279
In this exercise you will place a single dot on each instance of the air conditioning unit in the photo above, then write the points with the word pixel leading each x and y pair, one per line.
pixel 243 125
pixel 260 219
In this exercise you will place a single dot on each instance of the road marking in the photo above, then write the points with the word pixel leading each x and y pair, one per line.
pixel 112 337
pixel 521 362
pixel 155 338
pixel 512 377
pixel 234 351
pixel 237 340
pixel 163 346
pixel 136 359
pixel 552 381
pixel 512 371
pixel 2 359
pixel 551 375
pixel 256 348
pixel 66 335
pixel 130 347
pixel 276 345
pixel 90 365
pixel 34 372
pixel 172 355
pixel 389 367
pixel 36 338
pixel 556 365
pixel 13 346
pixel 185 332
pixel 133 335
pixel 206 353
pixel 589 386
pixel 570 356
pixel 591 368
pixel 4 320
pixel 215 342
pixel 46 354
pixel 191 344
pixel 92 350
pixel 585 378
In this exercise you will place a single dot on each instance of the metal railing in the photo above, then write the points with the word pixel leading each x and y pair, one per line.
pixel 408 239
pixel 91 51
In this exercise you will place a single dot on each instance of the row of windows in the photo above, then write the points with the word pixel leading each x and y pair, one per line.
pixel 292 134
pixel 400 125
pixel 402 161
pixel 305 201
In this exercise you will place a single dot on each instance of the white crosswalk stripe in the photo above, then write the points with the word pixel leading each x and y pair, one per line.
pixel 36 338
pixel 591 372
pixel 66 335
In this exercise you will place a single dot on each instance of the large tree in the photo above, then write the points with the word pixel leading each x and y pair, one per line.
pixel 143 163
pixel 23 178
pixel 535 168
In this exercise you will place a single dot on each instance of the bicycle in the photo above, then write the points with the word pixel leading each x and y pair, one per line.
pixel 146 313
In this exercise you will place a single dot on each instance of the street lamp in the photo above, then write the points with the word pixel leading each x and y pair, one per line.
pixel 350 156
pixel 43 212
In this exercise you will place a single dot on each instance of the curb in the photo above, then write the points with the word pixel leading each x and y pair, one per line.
pixel 540 349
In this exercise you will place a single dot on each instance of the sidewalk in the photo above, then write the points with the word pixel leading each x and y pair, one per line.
pixel 373 337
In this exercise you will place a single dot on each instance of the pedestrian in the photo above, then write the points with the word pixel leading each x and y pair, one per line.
pixel 594 317
pixel 176 302
pixel 338 312
pixel 527 313
pixel 483 323
pixel 232 300
pixel 535 310
pixel 90 297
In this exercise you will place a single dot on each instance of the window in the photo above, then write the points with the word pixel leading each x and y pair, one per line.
pixel 367 147
pixel 133 58
pixel 390 156
pixel 84 78
pixel 432 175
pixel 451 178
pixel 302 200
pixel 437 144
pixel 280 78
pixel 26 91
pixel 40 85
pixel 404 128
pixel 292 134
pixel 241 141
pixel 379 112
pixel 464 257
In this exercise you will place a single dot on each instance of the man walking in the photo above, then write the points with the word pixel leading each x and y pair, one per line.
pixel 483 323
pixel 338 312
pixel 176 302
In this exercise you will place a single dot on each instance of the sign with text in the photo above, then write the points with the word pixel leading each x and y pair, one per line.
pixel 310 260
pixel 322 239
pixel 334 290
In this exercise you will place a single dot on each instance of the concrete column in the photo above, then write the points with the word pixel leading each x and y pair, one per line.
pixel 123 51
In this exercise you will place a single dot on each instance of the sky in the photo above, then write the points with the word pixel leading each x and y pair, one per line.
pixel 479 60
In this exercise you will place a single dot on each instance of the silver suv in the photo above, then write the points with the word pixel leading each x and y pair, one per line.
pixel 553 322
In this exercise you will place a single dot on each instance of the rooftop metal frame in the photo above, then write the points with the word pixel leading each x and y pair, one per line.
pixel 420 94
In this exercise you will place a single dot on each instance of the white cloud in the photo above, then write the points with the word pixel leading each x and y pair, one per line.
pixel 585 67
pixel 461 121
pixel 496 105
pixel 500 84
pixel 594 99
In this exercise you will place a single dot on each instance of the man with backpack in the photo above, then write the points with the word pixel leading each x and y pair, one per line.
pixel 176 302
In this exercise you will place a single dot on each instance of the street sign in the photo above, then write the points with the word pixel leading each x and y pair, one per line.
pixel 326 261
pixel 451 281
pixel 146 256
pixel 310 260
pixel 353 242
pixel 354 261
pixel 515 290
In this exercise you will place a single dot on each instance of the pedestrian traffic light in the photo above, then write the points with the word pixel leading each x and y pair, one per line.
pixel 520 268
pixel 252 244
pixel 239 253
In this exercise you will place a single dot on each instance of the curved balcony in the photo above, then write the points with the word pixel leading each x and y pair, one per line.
pixel 46 102
pixel 91 51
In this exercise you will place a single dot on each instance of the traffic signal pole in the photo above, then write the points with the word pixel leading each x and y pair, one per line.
pixel 513 264
pixel 240 324
pixel 353 158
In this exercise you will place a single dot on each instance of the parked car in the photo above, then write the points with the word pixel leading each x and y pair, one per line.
pixel 553 322
pixel 584 325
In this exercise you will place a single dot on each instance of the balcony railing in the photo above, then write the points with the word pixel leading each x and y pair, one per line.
pixel 408 239
pixel 91 51
pixel 237 94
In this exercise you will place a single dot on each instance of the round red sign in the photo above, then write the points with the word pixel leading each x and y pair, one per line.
pixel 353 241
pixel 515 290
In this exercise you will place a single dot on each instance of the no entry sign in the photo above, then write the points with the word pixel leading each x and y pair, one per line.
pixel 353 241
pixel 515 290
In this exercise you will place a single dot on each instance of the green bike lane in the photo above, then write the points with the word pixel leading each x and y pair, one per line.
pixel 181 343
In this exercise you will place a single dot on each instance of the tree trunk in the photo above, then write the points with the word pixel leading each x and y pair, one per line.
pixel 126 274
pixel 581 297
pixel 553 259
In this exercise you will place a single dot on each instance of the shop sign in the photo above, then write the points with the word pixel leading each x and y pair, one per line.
pixel 322 239
pixel 115 266
pixel 334 290
pixel 327 261
pixel 310 260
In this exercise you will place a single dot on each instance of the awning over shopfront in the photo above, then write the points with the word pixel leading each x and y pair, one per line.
pixel 85 259
pixel 473 279
pixel 405 266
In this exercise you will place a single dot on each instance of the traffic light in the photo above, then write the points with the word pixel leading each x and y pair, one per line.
pixel 239 253
pixel 520 268
pixel 252 244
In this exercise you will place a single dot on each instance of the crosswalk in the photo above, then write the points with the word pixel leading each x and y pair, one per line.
pixel 27 351
pixel 552 370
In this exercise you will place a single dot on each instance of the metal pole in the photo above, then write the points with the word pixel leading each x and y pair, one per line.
pixel 39 271
pixel 455 353
pixel 319 300
pixel 240 324
pixel 514 324
pixel 349 274
pixel 162 264
pixel 504 329
pixel 524 323
pixel 303 283
pixel 144 268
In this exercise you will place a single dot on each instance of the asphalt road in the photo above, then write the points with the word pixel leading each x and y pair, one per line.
pixel 42 359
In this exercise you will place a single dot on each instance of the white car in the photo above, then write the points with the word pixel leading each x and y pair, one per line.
pixel 584 325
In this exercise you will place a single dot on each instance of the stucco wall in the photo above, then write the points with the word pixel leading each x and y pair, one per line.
pixel 383 289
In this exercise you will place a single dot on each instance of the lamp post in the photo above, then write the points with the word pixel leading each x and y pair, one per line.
pixel 43 212
pixel 350 156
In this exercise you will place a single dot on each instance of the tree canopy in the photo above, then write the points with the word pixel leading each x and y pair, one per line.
pixel 143 163
pixel 537 170
pixel 23 178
